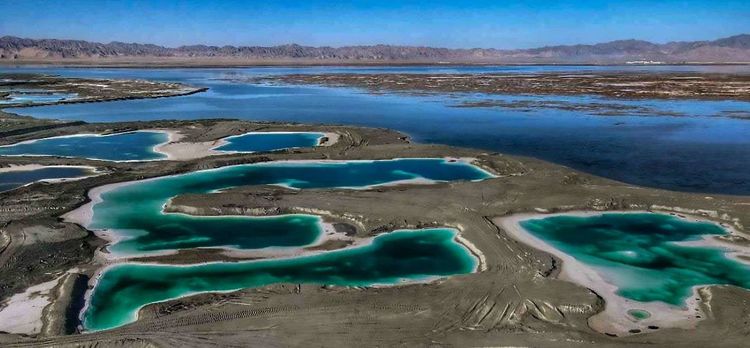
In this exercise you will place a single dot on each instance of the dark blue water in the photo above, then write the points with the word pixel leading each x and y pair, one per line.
pixel 35 97
pixel 271 141
pixel 133 146
pixel 703 150
pixel 15 179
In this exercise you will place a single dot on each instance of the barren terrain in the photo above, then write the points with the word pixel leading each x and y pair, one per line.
pixel 614 85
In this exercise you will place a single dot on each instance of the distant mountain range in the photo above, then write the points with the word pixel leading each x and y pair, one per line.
pixel 18 50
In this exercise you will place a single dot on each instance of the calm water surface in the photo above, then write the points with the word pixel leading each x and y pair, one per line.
pixel 35 97
pixel 11 180
pixel 703 150
pixel 133 146
pixel 134 211
pixel 641 254
pixel 390 259
pixel 254 142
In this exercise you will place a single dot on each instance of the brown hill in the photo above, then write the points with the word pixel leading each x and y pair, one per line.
pixel 19 50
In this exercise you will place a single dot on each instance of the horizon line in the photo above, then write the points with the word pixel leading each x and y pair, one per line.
pixel 368 45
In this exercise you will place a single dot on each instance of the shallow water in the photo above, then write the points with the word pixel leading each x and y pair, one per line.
pixel 641 253
pixel 11 180
pixel 705 150
pixel 32 97
pixel 133 146
pixel 134 211
pixel 390 259
pixel 255 142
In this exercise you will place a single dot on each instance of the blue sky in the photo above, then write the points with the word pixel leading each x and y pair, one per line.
pixel 498 24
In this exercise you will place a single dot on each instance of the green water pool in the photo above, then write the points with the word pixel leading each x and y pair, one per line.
pixel 134 212
pixel 406 255
pixel 642 253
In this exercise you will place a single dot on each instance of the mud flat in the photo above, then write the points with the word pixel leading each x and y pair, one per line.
pixel 614 85
pixel 22 313
pixel 90 90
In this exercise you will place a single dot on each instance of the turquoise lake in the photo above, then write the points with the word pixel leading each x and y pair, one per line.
pixel 392 258
pixel 11 180
pixel 132 146
pixel 270 141
pixel 641 255
pixel 135 210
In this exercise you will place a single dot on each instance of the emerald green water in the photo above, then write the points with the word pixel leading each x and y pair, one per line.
pixel 392 258
pixel 270 141
pixel 640 254
pixel 134 211
pixel 639 314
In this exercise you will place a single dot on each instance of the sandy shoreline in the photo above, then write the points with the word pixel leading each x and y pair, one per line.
pixel 29 167
pixel 614 319
pixel 177 150
pixel 83 214
pixel 89 135
pixel 93 171
pixel 328 229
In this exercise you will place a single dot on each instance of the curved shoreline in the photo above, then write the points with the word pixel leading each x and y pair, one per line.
pixel 365 242
pixel 183 151
pixel 83 215
pixel 614 319
pixel 172 148
pixel 187 90
pixel 98 135
pixel 93 172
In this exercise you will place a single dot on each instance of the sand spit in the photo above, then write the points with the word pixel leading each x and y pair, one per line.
pixel 332 138
pixel 177 150
pixel 615 318
pixel 29 167
pixel 22 167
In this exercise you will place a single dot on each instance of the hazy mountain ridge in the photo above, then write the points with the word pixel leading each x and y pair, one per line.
pixel 730 49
